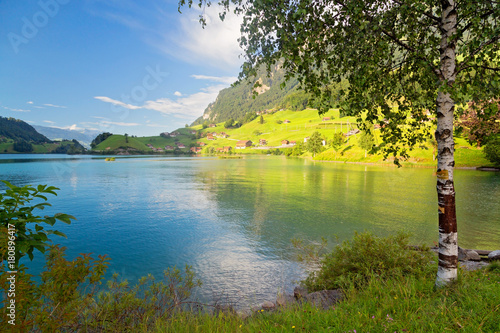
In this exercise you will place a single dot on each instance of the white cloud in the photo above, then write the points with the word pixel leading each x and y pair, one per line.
pixel 178 93
pixel 49 122
pixel 216 45
pixel 55 106
pixel 115 102
pixel 189 106
pixel 15 110
pixel 222 79
pixel 30 102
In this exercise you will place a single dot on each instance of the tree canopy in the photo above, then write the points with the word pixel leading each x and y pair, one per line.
pixel 398 63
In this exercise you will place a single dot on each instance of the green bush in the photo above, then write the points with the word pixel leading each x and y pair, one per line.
pixel 492 150
pixel 354 263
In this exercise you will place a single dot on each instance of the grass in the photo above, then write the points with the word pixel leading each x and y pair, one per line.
pixel 410 304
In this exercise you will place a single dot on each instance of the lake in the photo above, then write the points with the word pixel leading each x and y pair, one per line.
pixel 232 220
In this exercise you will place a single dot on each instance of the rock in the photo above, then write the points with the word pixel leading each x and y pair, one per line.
pixel 494 255
pixel 473 265
pixel 267 305
pixel 462 254
pixel 473 255
pixel 284 300
pixel 324 298
pixel 465 255
pixel 300 292
pixel 244 314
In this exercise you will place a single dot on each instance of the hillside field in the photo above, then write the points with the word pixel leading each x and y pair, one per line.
pixel 292 126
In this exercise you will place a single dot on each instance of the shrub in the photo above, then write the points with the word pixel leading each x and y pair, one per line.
pixel 492 150
pixel 354 263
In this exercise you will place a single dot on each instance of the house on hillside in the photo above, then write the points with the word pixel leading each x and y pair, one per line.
pixel 169 148
pixel 192 132
pixel 326 118
pixel 227 149
pixel 210 137
pixel 286 121
pixel 263 142
pixel 181 146
pixel 284 142
pixel 242 144
pixel 293 143
pixel 212 125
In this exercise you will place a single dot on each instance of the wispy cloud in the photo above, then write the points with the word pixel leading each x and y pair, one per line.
pixel 216 45
pixel 116 102
pixel 49 122
pixel 55 106
pixel 15 110
pixel 178 93
pixel 188 106
pixel 222 79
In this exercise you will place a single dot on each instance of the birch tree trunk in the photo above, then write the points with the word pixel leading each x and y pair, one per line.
pixel 448 247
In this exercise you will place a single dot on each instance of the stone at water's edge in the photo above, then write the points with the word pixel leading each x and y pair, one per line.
pixel 494 255
pixel 324 298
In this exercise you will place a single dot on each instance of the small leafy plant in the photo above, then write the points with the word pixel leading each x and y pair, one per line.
pixel 17 211
pixel 354 263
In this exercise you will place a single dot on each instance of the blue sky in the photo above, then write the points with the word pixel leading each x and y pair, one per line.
pixel 124 66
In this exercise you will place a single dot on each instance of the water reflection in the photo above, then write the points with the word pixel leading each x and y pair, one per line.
pixel 233 220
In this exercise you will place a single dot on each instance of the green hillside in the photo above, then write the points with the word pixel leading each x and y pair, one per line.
pixel 18 130
pixel 291 126
pixel 116 141
pixel 236 101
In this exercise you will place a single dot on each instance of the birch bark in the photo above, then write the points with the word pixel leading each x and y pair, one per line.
pixel 448 247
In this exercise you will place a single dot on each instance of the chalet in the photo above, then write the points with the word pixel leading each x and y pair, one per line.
pixel 202 144
pixel 169 148
pixel 173 134
pixel 149 145
pixel 193 149
pixel 242 144
pixel 192 132
pixel 198 149
pixel 212 125
pixel 285 142
pixel 227 149
pixel 286 121
pixel 181 146
pixel 293 143
pixel 220 149
pixel 263 142
pixel 326 118
pixel 210 137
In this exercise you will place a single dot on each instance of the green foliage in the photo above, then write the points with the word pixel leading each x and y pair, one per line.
pixel 297 150
pixel 261 120
pixel 315 143
pixel 17 206
pixel 366 140
pixel 69 297
pixel 229 123
pixel 337 141
pixel 19 130
pixel 492 150
pixel 235 102
pixel 354 263
pixel 23 146
pixel 100 138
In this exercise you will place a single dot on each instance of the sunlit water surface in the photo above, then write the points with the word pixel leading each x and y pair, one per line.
pixel 232 220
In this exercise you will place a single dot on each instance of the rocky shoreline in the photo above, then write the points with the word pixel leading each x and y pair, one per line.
pixel 324 299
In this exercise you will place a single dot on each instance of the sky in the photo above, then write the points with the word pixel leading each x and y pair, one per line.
pixel 121 66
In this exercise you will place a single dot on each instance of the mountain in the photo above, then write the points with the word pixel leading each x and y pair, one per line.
pixel 85 137
pixel 19 130
pixel 238 100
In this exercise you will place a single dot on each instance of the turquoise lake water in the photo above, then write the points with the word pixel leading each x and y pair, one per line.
pixel 232 219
